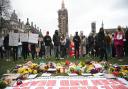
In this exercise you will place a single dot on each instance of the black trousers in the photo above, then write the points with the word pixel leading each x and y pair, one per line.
pixel 103 54
pixel 76 51
pixel 62 51
pixel 33 54
pixel 24 53
pixel 15 53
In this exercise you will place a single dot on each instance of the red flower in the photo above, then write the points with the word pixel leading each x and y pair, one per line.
pixel 67 62
pixel 115 73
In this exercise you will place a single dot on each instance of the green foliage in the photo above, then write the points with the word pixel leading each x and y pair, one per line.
pixel 2 84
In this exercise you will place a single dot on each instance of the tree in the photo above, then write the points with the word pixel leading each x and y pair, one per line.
pixel 4 12
pixel 4 8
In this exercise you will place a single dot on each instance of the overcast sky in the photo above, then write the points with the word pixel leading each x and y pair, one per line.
pixel 80 12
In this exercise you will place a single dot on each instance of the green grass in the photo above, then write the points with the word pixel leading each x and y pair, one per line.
pixel 9 65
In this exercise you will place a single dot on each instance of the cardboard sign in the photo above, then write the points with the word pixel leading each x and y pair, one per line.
pixel 71 84
pixel 13 39
pixel 33 38
pixel 24 37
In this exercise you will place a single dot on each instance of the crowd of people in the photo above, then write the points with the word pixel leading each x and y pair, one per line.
pixel 104 45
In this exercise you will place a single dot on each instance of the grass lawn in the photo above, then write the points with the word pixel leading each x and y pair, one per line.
pixel 9 65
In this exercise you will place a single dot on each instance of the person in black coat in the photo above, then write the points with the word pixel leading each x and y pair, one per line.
pixel 6 46
pixel 47 41
pixel 76 40
pixel 25 50
pixel 56 41
pixel 102 44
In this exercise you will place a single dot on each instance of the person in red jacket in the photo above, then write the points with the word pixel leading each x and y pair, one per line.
pixel 119 42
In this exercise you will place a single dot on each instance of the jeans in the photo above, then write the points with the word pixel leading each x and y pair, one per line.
pixel 47 51
pixel 56 51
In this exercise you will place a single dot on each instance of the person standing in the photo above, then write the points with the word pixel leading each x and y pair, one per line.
pixel 67 45
pixel 91 43
pixel 113 47
pixel 119 42
pixel 47 41
pixel 108 44
pixel 102 44
pixel 25 50
pixel 56 41
pixel 76 40
pixel 62 46
pixel 7 47
pixel 83 46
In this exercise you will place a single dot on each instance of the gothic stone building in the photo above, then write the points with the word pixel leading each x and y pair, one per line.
pixel 63 19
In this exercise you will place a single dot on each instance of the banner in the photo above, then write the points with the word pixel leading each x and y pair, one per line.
pixel 13 39
pixel 24 37
pixel 71 84
pixel 33 38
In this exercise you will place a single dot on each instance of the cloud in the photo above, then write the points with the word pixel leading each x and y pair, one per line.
pixel 80 12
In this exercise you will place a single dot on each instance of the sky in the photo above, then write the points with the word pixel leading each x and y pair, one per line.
pixel 81 13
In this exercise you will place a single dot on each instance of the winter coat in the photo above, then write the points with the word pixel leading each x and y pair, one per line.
pixel 101 40
pixel 119 39
pixel 47 40
pixel 76 41
pixel 56 40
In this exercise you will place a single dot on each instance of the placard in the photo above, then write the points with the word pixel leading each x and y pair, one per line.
pixel 24 37
pixel 33 38
pixel 13 39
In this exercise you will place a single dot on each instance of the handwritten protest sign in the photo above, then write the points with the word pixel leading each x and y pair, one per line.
pixel 13 39
pixel 24 37
pixel 33 38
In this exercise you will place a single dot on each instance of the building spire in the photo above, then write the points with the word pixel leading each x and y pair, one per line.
pixel 63 5
pixel 102 25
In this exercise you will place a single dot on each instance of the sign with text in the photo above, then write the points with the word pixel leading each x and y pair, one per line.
pixel 13 39
pixel 71 84
pixel 24 37
pixel 33 38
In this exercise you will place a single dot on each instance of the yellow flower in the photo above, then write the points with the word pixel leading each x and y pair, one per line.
pixel 30 70
pixel 34 71
pixel 20 70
